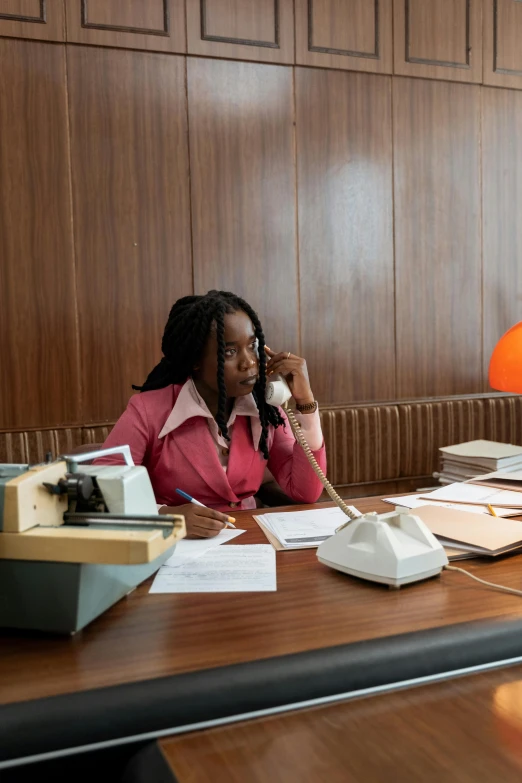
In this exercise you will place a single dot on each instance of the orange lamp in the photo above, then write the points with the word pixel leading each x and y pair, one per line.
pixel 505 366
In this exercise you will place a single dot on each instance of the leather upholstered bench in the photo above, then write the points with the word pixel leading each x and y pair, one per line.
pixel 372 448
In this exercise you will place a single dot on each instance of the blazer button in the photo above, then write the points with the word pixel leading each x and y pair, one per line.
pixel 233 505
pixel 225 452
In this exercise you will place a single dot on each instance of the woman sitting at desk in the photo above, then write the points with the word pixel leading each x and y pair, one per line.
pixel 201 423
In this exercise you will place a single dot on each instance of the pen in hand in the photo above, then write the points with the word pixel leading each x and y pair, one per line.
pixel 230 521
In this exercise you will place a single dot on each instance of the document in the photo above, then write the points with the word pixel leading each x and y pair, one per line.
pixel 416 501
pixel 476 494
pixel 189 549
pixel 229 569
pixel 301 529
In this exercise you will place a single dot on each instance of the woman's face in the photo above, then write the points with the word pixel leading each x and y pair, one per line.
pixel 241 362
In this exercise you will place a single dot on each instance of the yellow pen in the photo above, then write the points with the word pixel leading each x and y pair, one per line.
pixel 492 511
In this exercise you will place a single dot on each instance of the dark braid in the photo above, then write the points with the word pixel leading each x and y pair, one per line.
pixel 221 416
pixel 186 332
pixel 268 414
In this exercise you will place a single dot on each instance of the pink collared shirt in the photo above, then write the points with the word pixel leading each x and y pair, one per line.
pixel 173 434
pixel 190 403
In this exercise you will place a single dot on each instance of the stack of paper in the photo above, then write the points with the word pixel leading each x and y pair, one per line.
pixel 466 460
pixel 301 529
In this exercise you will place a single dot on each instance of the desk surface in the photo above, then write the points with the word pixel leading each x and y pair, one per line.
pixel 149 636
pixel 464 731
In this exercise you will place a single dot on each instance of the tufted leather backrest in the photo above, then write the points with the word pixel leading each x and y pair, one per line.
pixel 400 441
pixel 370 447
pixel 32 445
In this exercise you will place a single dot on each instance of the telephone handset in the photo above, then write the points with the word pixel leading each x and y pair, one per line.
pixel 278 393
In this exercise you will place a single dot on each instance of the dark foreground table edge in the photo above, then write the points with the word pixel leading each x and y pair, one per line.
pixel 83 721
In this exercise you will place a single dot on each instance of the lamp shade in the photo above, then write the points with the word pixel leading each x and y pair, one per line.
pixel 505 366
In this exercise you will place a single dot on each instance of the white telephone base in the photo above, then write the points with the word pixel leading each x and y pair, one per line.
pixel 394 549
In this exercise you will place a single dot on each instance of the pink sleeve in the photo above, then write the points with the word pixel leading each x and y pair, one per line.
pixel 290 467
pixel 311 428
pixel 131 429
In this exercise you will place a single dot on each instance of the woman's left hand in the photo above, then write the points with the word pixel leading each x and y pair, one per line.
pixel 295 372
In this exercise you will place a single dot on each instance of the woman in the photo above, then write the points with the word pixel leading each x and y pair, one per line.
pixel 201 423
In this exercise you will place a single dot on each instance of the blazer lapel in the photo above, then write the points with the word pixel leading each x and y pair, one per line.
pixel 243 457
pixel 196 447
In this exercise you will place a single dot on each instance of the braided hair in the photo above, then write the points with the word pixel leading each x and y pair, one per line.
pixel 188 327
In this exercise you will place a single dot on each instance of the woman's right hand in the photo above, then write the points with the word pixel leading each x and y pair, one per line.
pixel 200 522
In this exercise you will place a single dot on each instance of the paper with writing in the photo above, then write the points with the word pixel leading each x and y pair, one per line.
pixel 228 569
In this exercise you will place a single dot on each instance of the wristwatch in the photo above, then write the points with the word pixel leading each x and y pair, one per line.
pixel 308 407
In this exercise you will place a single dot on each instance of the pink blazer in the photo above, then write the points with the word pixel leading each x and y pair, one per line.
pixel 186 458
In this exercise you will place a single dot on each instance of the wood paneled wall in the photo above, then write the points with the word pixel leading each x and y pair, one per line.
pixel 242 171
pixel 438 267
pixel 344 155
pixel 371 218
pixel 39 358
pixel 130 177
pixel 502 223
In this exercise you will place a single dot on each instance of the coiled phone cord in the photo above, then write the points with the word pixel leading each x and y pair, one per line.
pixel 296 429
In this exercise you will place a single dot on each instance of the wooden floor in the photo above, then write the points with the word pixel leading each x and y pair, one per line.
pixel 462 731
pixel 147 636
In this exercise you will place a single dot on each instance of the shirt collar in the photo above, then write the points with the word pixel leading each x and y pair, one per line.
pixel 189 404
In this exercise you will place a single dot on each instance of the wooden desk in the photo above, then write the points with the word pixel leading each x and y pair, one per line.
pixel 148 650
pixel 464 731
pixel 146 636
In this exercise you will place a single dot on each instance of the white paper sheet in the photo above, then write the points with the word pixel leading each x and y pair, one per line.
pixel 298 529
pixel 415 501
pixel 474 493
pixel 228 569
pixel 509 475
pixel 189 549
